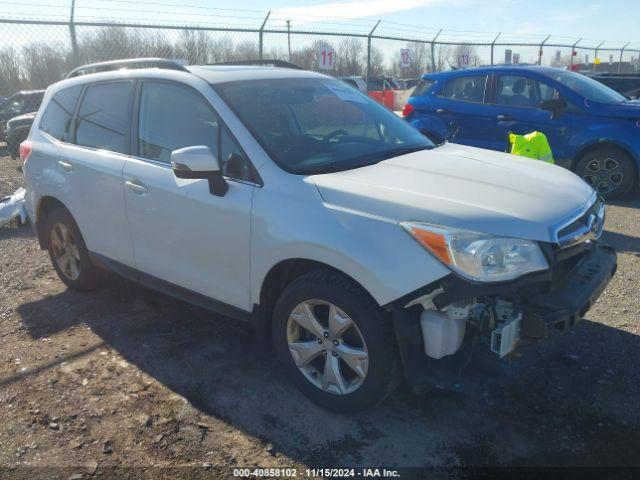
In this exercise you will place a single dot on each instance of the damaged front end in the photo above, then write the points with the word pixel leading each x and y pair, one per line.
pixel 445 326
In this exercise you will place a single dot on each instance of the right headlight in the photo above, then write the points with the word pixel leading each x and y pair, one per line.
pixel 478 256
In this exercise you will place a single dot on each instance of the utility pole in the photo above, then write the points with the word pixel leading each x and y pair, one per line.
pixel 433 51
pixel 261 35
pixel 369 50
pixel 289 37
pixel 72 34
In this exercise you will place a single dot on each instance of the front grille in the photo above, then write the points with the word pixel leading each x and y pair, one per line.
pixel 587 226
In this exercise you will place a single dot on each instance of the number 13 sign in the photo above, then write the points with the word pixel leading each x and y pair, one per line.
pixel 327 58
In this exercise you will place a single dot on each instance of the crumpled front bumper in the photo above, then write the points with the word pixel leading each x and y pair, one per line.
pixel 556 311
pixel 550 303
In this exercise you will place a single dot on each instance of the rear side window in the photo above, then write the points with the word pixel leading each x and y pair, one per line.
pixel 466 89
pixel 103 118
pixel 422 87
pixel 173 117
pixel 56 119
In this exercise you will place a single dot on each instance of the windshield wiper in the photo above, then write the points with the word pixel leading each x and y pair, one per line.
pixel 365 160
pixel 396 152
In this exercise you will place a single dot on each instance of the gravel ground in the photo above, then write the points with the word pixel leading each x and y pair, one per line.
pixel 125 377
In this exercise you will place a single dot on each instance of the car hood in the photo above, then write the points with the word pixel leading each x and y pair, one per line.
pixel 628 109
pixel 462 187
pixel 23 117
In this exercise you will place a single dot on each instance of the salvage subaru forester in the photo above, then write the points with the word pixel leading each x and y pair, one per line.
pixel 288 199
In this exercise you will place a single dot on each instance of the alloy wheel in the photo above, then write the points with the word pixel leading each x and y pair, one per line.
pixel 327 347
pixel 65 251
pixel 604 174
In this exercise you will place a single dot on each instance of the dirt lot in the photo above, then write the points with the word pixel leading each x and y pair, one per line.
pixel 126 377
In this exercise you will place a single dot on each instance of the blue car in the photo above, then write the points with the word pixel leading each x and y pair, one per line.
pixel 592 129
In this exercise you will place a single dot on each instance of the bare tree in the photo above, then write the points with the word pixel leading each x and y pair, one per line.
pixel 44 65
pixel 10 80
pixel 461 50
pixel 350 57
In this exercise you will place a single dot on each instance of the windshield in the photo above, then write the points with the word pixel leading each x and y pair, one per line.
pixel 317 125
pixel 587 87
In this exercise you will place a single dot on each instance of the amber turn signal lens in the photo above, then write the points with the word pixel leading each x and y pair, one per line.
pixel 435 242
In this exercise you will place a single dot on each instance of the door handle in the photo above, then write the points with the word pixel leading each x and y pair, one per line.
pixel 136 187
pixel 442 110
pixel 505 118
pixel 66 166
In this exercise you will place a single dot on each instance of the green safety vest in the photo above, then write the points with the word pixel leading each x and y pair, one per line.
pixel 532 145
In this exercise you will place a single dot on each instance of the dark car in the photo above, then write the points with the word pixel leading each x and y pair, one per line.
pixel 592 129
pixel 626 84
pixel 18 104
pixel 17 131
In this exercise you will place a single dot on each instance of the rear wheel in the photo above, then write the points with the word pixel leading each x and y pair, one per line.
pixel 68 252
pixel 609 170
pixel 335 342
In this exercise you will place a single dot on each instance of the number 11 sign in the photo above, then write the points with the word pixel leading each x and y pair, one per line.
pixel 327 58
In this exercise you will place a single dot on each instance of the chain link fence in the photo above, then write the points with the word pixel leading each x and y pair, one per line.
pixel 36 52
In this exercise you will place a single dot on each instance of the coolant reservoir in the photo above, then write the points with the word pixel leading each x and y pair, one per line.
pixel 442 335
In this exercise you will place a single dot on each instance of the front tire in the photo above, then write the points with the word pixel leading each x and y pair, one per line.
pixel 335 342
pixel 609 170
pixel 68 252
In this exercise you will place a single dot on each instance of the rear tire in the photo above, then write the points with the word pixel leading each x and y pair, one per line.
pixel 68 252
pixel 345 365
pixel 609 170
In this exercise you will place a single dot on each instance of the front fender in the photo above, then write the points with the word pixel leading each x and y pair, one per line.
pixel 377 253
pixel 621 135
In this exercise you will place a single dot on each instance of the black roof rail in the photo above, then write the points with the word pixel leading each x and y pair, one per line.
pixel 126 63
pixel 265 63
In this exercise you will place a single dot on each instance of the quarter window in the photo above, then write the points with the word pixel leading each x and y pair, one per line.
pixel 56 119
pixel 466 89
pixel 103 118
pixel 173 117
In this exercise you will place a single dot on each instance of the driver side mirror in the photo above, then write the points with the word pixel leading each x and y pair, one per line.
pixel 199 162
pixel 556 106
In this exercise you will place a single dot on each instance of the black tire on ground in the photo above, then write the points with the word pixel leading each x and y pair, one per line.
pixel 384 370
pixel 88 275
pixel 13 143
pixel 610 170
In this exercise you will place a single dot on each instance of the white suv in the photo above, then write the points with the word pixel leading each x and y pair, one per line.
pixel 288 199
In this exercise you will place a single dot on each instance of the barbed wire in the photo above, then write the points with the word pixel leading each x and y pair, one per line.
pixel 121 11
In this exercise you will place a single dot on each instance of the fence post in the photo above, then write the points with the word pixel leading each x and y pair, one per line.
pixel 72 34
pixel 595 67
pixel 540 51
pixel 620 62
pixel 289 38
pixel 433 51
pixel 369 50
pixel 573 50
pixel 492 45
pixel 261 34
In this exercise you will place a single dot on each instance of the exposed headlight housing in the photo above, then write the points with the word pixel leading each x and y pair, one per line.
pixel 477 256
